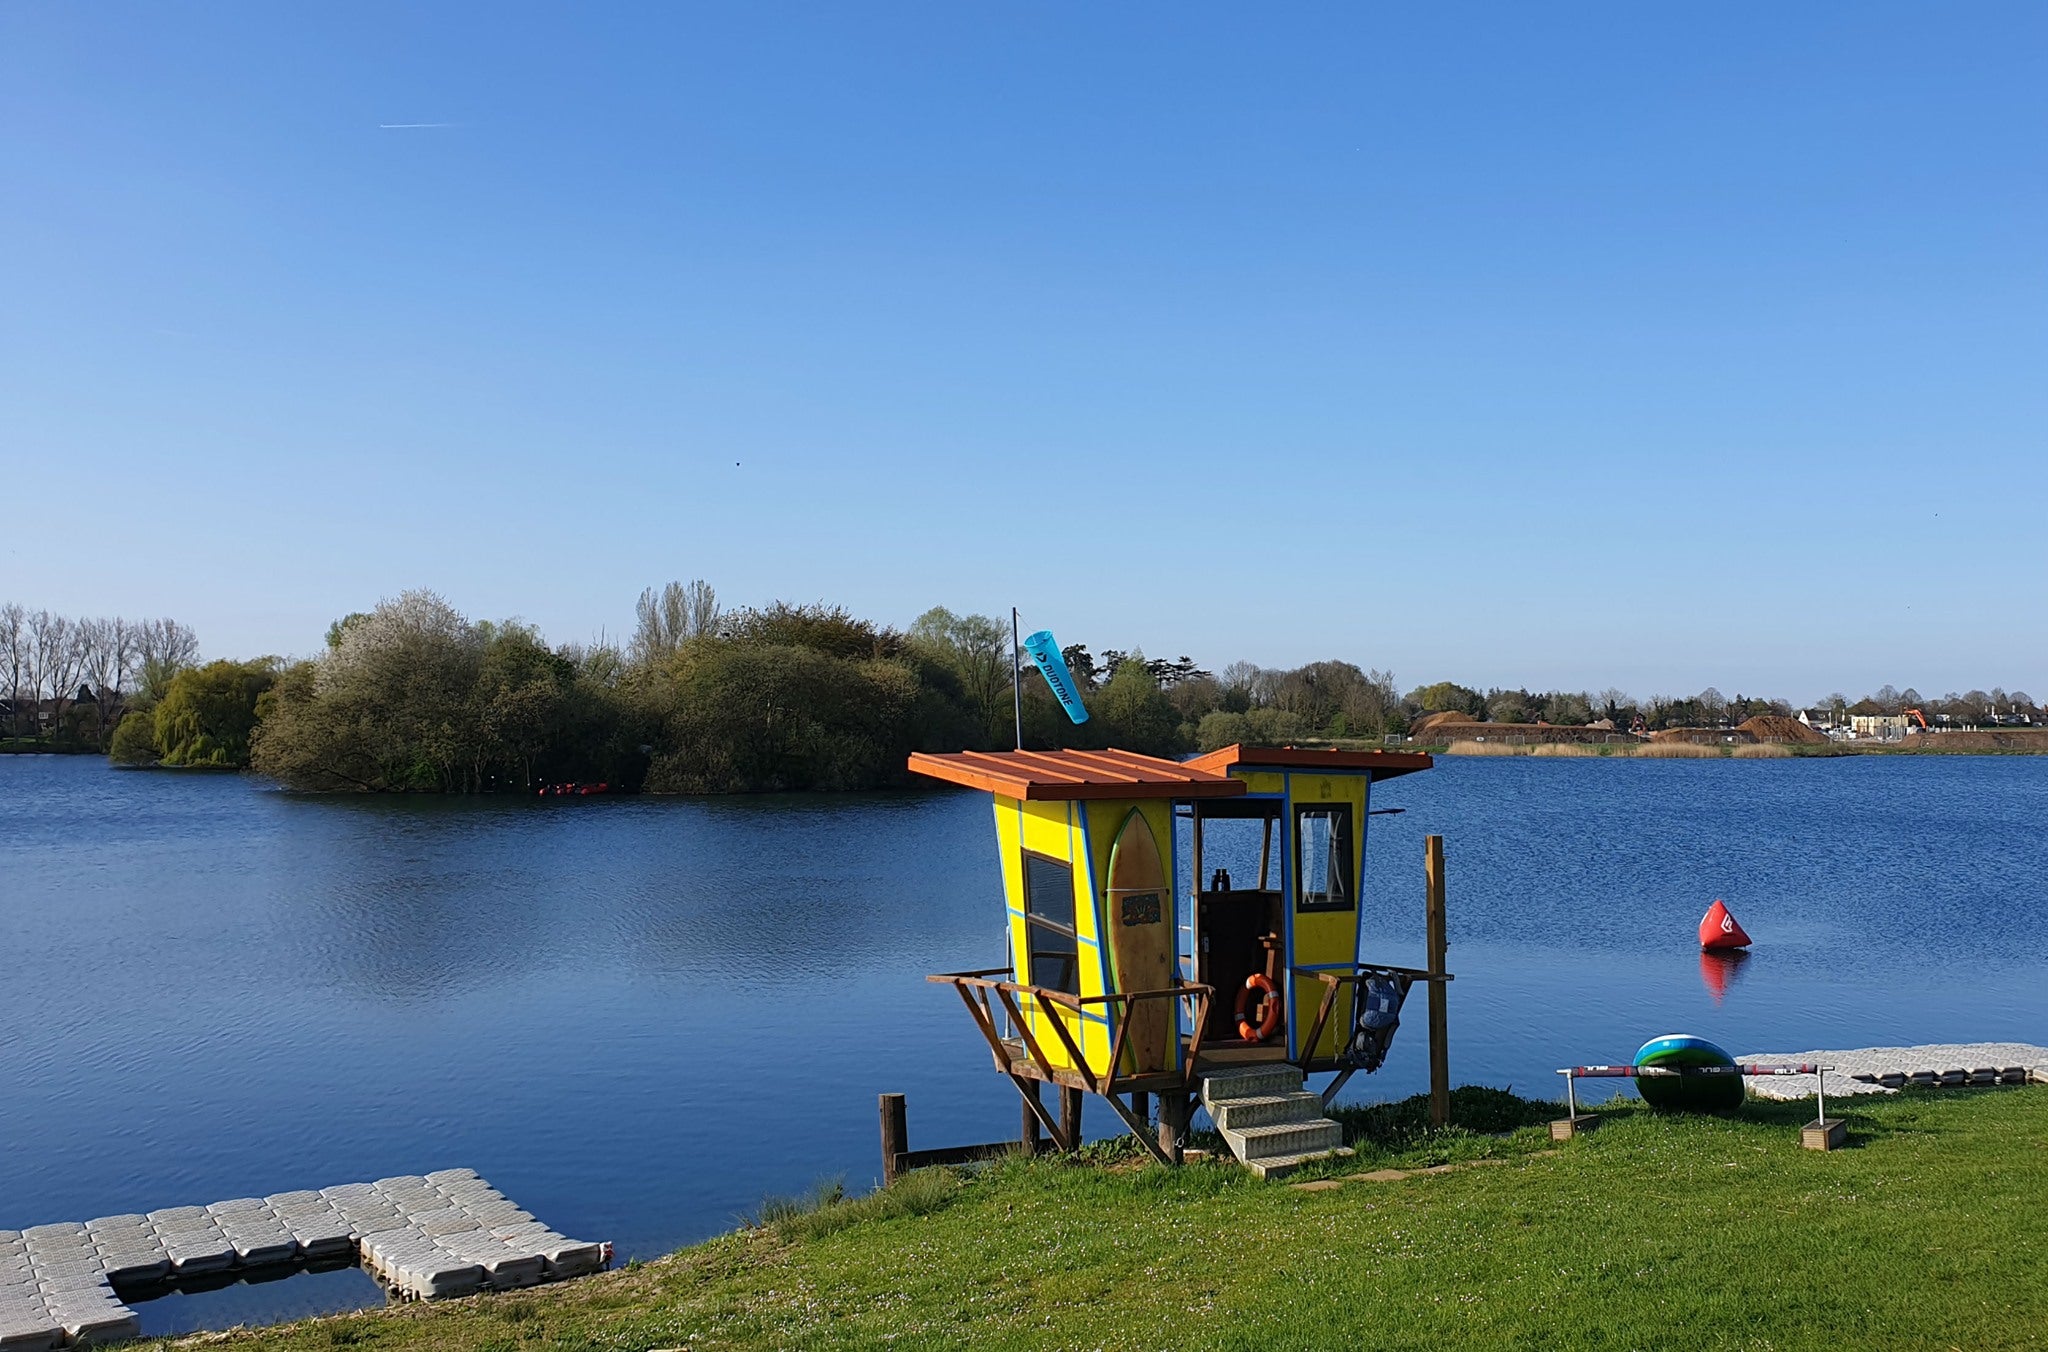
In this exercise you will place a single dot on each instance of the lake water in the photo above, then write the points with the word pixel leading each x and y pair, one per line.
pixel 639 1016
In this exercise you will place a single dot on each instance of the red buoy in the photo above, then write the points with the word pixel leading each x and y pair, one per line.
pixel 1719 930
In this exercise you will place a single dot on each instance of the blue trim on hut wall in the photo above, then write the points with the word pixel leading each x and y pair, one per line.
pixel 1358 884
pixel 1287 832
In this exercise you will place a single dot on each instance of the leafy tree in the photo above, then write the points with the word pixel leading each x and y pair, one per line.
pixel 1135 712
pixel 976 648
pixel 208 716
pixel 1258 727
pixel 388 708
pixel 517 705
pixel 1448 697
pixel 1567 710
pixel 339 629
pixel 819 627
pixel 753 716
pixel 1509 706
pixel 134 741
pixel 1081 666
pixel 1172 673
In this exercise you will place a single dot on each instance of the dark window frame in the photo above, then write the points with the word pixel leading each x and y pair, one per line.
pixel 1340 850
pixel 1067 953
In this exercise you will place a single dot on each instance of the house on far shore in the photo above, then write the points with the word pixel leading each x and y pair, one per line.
pixel 1884 727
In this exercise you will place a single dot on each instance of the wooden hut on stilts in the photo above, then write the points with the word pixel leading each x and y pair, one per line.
pixel 1134 977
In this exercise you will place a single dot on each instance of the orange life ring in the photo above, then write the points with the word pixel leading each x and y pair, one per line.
pixel 1268 1021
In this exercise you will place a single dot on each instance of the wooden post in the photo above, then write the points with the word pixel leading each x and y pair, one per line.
pixel 1173 1123
pixel 1439 991
pixel 895 1135
pixel 1028 1139
pixel 1070 1117
pixel 1141 1107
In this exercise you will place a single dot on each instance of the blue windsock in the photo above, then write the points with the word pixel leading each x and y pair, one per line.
pixel 1045 654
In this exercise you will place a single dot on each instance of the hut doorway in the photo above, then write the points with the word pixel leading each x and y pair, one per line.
pixel 1238 852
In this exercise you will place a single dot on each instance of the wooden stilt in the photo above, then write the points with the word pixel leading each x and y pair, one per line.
pixel 1137 1127
pixel 1173 1124
pixel 895 1135
pixel 1141 1107
pixel 1028 1138
pixel 1070 1118
pixel 1439 990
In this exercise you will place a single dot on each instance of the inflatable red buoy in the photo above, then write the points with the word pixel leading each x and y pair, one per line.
pixel 1719 930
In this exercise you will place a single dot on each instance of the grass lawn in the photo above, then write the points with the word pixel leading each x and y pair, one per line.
pixel 1928 1232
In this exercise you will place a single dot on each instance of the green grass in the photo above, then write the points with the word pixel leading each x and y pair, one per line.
pixel 1929 1231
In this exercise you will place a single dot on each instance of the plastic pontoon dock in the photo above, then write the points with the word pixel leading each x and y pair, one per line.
pixel 425 1237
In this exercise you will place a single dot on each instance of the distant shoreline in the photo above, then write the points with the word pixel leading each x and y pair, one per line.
pixel 1933 744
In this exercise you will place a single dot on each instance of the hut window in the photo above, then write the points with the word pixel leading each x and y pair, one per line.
pixel 1049 924
pixel 1322 857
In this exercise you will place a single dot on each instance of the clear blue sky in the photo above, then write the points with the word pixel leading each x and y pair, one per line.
pixel 1660 346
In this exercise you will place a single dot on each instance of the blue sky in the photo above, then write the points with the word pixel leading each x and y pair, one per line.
pixel 1656 346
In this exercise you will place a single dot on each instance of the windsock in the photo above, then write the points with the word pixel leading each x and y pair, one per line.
pixel 1719 930
pixel 1045 655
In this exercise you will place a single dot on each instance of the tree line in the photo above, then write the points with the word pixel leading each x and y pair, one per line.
pixel 65 682
pixel 413 696
pixel 1709 708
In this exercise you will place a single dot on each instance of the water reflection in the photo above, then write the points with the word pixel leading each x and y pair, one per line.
pixel 1719 968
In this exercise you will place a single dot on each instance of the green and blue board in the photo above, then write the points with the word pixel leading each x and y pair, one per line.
pixel 1687 1093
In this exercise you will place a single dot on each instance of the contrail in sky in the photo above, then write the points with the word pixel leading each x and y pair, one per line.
pixel 412 126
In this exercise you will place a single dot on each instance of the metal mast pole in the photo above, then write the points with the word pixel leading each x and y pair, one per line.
pixel 1017 677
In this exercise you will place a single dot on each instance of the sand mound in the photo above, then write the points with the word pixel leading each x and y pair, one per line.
pixel 1430 723
pixel 1714 737
pixel 1775 728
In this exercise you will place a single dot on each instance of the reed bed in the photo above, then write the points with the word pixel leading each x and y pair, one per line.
pixel 1644 750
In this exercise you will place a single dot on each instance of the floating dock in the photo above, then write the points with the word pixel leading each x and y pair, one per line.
pixel 1878 1070
pixel 425 1237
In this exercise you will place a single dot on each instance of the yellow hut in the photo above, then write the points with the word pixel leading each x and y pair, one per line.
pixel 1138 965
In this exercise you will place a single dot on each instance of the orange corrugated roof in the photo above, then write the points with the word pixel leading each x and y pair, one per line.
pixel 1381 764
pixel 1075 774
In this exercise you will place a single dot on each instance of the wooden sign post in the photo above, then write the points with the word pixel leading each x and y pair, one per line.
pixel 1439 993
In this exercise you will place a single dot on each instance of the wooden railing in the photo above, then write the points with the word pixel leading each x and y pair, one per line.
pixel 1335 979
pixel 982 991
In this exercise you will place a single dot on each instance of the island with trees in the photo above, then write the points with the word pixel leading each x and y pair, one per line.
pixel 413 696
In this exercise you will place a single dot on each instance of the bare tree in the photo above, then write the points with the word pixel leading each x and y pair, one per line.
pixel 163 648
pixel 671 617
pixel 54 655
pixel 14 656
pixel 108 659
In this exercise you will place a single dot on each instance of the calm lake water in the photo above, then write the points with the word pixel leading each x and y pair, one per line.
pixel 639 1016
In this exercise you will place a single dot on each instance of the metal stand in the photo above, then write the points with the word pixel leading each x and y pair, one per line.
pixel 1823 1133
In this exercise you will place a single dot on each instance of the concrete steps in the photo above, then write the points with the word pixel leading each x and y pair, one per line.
pixel 1272 1124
